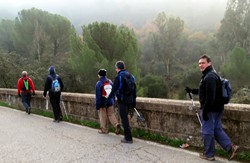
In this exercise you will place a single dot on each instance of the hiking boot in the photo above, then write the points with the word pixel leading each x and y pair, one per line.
pixel 118 129
pixel 203 156
pixel 56 120
pixel 233 151
pixel 101 132
pixel 28 110
pixel 126 141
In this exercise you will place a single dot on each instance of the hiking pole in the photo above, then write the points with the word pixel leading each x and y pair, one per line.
pixel 47 104
pixel 64 108
pixel 193 105
pixel 138 114
pixel 140 117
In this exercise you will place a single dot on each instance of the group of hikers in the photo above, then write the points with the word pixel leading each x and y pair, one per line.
pixel 123 88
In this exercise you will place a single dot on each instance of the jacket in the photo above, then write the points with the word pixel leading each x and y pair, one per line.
pixel 100 100
pixel 208 91
pixel 119 82
pixel 48 84
pixel 21 87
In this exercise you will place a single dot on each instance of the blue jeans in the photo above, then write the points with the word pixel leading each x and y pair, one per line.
pixel 212 130
pixel 26 97
pixel 124 110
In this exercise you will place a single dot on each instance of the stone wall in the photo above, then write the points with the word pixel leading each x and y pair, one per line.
pixel 171 118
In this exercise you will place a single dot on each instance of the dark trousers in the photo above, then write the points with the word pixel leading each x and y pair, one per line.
pixel 26 97
pixel 55 103
pixel 124 110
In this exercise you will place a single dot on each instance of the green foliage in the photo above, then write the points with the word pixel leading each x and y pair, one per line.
pixel 235 26
pixel 166 40
pixel 154 86
pixel 237 68
pixel 6 35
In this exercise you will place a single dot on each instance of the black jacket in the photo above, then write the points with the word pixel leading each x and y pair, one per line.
pixel 209 91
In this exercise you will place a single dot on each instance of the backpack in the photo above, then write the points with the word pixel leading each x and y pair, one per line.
pixel 106 89
pixel 26 86
pixel 129 87
pixel 55 85
pixel 225 90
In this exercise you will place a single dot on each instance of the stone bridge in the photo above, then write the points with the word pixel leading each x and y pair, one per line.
pixel 170 118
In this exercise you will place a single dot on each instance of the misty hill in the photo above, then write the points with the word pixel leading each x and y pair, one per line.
pixel 198 15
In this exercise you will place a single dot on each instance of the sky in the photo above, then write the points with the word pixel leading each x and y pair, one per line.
pixel 196 13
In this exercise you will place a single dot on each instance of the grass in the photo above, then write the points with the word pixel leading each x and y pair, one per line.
pixel 243 156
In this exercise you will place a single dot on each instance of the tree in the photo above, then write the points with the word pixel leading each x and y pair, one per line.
pixel 6 35
pixel 235 27
pixel 114 43
pixel 237 68
pixel 41 34
pixel 166 39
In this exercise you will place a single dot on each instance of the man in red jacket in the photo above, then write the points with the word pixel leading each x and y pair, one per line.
pixel 25 88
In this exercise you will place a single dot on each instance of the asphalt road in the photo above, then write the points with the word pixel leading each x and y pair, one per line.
pixel 33 138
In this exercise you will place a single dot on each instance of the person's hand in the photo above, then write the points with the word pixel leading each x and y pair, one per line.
pixel 188 90
pixel 133 105
pixel 19 94
pixel 205 116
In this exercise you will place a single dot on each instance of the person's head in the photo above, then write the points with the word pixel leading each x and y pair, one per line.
pixel 102 72
pixel 204 62
pixel 119 65
pixel 24 74
pixel 52 70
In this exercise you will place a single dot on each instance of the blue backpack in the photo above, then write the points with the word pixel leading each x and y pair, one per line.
pixel 55 85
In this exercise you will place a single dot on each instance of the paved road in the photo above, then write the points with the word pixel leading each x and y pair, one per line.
pixel 32 138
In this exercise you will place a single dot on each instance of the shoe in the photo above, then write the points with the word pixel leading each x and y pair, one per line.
pixel 202 155
pixel 101 132
pixel 126 141
pixel 56 120
pixel 118 129
pixel 233 151
pixel 28 110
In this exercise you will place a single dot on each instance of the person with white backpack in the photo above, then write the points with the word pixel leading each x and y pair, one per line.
pixel 105 103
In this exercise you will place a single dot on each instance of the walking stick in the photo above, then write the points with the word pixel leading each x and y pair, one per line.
pixel 142 120
pixel 64 108
pixel 193 105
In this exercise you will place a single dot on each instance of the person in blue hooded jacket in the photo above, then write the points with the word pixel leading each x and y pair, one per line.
pixel 105 103
pixel 126 99
pixel 54 95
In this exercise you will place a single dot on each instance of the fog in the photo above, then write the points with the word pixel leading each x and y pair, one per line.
pixel 198 14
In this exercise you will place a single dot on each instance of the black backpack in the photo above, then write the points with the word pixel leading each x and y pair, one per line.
pixel 127 83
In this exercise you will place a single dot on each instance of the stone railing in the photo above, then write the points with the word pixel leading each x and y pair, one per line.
pixel 171 118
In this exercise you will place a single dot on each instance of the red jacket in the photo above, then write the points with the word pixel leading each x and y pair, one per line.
pixel 21 87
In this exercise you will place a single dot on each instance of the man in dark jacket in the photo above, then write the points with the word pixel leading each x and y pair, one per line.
pixel 105 104
pixel 211 111
pixel 54 94
pixel 125 101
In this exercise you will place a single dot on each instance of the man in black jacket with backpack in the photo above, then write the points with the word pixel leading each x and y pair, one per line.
pixel 125 90
pixel 54 85
pixel 211 111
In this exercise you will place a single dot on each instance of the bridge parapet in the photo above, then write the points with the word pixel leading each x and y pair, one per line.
pixel 170 118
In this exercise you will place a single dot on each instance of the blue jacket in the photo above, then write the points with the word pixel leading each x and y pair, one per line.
pixel 100 100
